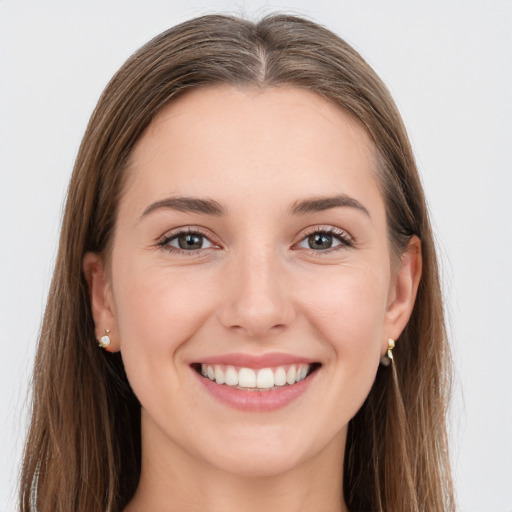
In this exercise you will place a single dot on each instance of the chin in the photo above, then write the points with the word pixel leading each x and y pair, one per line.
pixel 265 454
pixel 258 463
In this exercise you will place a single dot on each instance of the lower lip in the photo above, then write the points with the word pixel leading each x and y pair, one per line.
pixel 256 401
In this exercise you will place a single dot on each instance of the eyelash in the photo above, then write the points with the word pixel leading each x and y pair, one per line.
pixel 188 231
pixel 346 241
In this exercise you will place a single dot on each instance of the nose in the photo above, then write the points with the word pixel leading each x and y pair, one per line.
pixel 257 299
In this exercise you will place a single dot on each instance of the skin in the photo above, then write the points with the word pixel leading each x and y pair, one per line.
pixel 255 287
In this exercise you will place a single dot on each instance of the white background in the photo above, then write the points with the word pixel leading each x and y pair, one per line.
pixel 448 65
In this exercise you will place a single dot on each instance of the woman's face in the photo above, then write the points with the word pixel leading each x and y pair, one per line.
pixel 251 246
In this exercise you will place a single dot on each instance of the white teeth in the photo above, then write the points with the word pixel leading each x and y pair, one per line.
pixel 219 375
pixel 231 376
pixel 264 378
pixel 247 378
pixel 291 375
pixel 280 377
pixel 301 372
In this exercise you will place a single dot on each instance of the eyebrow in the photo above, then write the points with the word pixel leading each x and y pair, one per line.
pixel 211 207
pixel 318 204
pixel 187 204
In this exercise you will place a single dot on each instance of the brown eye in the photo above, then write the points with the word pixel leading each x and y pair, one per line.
pixel 327 239
pixel 187 241
pixel 190 242
pixel 320 241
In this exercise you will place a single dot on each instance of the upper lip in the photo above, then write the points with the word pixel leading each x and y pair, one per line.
pixel 256 361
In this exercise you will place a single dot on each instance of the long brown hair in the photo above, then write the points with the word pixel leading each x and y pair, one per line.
pixel 83 450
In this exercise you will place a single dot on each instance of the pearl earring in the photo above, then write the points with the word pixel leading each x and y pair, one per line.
pixel 104 341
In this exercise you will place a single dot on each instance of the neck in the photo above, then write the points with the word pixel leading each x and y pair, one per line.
pixel 173 480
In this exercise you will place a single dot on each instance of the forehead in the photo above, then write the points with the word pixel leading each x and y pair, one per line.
pixel 218 140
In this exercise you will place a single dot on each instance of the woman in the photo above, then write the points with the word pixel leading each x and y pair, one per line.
pixel 245 238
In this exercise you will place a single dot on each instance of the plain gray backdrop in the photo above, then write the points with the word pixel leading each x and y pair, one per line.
pixel 448 65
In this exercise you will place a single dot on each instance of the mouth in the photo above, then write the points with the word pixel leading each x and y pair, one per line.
pixel 256 379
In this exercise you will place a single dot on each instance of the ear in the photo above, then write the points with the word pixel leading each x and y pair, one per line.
pixel 102 303
pixel 403 291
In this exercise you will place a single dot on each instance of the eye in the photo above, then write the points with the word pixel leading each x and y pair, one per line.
pixel 326 238
pixel 186 241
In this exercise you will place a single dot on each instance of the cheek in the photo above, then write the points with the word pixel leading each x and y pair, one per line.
pixel 157 309
pixel 157 313
pixel 349 315
pixel 348 320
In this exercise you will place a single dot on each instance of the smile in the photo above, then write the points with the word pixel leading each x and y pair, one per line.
pixel 249 379
pixel 256 384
